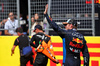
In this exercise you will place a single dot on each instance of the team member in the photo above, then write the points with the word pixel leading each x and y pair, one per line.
pixel 22 41
pixel 41 59
pixel 74 42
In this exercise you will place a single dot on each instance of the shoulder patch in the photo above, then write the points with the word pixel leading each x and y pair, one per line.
pixel 50 18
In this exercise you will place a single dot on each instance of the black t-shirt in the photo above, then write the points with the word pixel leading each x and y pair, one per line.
pixel 22 41
pixel 37 38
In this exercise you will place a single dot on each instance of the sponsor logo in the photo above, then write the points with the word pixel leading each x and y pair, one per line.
pixel 77 40
pixel 76 45
pixel 77 35
pixel 50 18
pixel 74 50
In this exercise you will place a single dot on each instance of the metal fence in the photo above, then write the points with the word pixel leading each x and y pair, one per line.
pixel 59 10
pixel 79 10
pixel 7 6
pixel 36 7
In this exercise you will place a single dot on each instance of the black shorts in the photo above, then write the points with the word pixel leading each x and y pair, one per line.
pixel 41 60
pixel 24 60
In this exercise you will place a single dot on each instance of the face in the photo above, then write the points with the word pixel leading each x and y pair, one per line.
pixel 32 19
pixel 68 26
pixel 27 16
pixel 36 16
pixel 37 30
pixel 11 15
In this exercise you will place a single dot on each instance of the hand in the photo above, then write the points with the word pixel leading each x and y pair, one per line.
pixel 12 54
pixel 12 51
pixel 57 61
pixel 46 9
pixel 14 35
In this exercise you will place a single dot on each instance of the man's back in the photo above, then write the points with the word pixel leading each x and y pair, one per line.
pixel 37 38
pixel 74 40
pixel 22 41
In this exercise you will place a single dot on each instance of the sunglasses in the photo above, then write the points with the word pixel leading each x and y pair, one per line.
pixel 11 15
pixel 64 24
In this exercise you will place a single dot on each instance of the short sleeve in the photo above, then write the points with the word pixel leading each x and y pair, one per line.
pixel 6 26
pixel 17 23
pixel 16 42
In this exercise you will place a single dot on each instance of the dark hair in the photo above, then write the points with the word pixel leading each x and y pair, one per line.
pixel 19 29
pixel 38 27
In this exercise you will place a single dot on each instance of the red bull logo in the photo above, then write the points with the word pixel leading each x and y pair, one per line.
pixel 76 45
pixel 77 40
pixel 50 18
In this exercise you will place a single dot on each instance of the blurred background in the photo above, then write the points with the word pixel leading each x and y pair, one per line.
pixel 85 12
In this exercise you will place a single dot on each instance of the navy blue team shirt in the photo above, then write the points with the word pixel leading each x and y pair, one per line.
pixel 73 43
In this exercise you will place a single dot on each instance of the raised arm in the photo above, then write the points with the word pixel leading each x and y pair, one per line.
pixel 53 24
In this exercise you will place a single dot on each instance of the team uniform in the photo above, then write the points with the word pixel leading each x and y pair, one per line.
pixel 74 44
pixel 41 59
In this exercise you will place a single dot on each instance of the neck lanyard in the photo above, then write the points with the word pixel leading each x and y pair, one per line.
pixel 12 24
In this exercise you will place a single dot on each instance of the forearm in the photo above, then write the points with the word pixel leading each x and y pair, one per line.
pixel 52 23
pixel 12 50
pixel 49 19
pixel 6 32
pixel 56 28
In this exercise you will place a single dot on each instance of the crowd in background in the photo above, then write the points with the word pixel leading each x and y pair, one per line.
pixel 9 25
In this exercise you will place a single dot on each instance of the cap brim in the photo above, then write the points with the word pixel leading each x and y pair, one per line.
pixel 35 29
pixel 64 23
